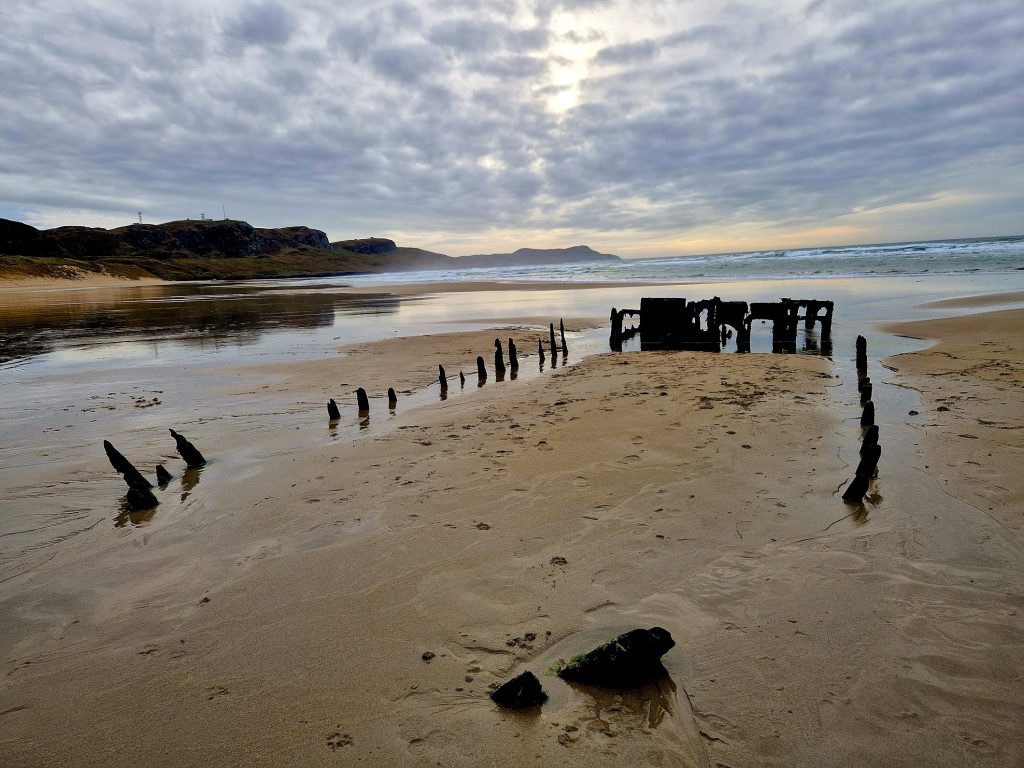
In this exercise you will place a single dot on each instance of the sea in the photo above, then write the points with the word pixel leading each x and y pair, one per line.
pixel 967 255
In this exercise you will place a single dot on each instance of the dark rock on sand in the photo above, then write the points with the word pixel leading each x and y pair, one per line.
pixel 630 659
pixel 520 692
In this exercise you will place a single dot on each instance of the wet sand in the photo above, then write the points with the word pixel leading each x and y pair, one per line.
pixel 972 382
pixel 280 617
pixel 27 285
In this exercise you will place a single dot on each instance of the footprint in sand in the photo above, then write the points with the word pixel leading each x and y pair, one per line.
pixel 337 740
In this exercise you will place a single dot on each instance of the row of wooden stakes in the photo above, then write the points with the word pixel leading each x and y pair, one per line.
pixel 870 450
pixel 363 401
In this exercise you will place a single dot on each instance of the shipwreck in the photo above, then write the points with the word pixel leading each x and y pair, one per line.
pixel 707 325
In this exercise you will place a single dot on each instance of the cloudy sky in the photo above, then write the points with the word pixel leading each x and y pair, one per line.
pixel 641 128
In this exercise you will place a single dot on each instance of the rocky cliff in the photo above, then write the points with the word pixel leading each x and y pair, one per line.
pixel 202 250
pixel 227 239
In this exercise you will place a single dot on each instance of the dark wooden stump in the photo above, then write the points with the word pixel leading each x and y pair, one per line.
pixel 362 400
pixel 867 418
pixel 499 359
pixel 189 452
pixel 869 461
pixel 332 410
pixel 870 439
pixel 132 477
pixel 856 490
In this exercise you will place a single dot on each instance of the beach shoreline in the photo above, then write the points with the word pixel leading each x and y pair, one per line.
pixel 277 610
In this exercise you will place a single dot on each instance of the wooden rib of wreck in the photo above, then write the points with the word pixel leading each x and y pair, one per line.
pixel 189 452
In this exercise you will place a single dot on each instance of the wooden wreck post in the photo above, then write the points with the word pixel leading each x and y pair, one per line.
pixel 499 359
pixel 616 335
pixel 443 378
pixel 540 350
pixel 867 417
pixel 481 369
pixel 362 400
pixel 513 357
pixel 554 348
pixel 561 330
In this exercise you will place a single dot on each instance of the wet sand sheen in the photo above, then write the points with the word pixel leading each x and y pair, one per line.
pixel 692 491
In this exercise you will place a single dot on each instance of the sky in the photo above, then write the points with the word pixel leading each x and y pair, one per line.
pixel 643 128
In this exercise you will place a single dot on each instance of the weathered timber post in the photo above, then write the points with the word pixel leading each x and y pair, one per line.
pixel 856 489
pixel 125 468
pixel 554 349
pixel 865 394
pixel 140 498
pixel 869 461
pixel 513 357
pixel 499 359
pixel 540 350
pixel 862 382
pixel 462 379
pixel 616 336
pixel 481 369
pixel 442 378
pixel 189 452
pixel 362 400
pixel 870 439
pixel 561 330
pixel 393 397
pixel 163 477
pixel 867 418
pixel 333 413
pixel 862 354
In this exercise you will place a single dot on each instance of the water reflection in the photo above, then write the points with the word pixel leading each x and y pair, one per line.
pixel 35 323
pixel 127 516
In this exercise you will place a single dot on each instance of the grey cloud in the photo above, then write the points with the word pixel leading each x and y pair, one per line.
pixel 408 63
pixel 628 53
pixel 436 117
pixel 265 23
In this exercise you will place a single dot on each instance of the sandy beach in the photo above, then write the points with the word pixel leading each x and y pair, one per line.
pixel 284 619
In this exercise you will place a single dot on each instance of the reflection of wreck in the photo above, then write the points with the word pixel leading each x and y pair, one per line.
pixel 706 325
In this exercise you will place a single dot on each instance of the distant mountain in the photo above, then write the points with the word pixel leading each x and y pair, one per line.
pixel 535 256
pixel 228 249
